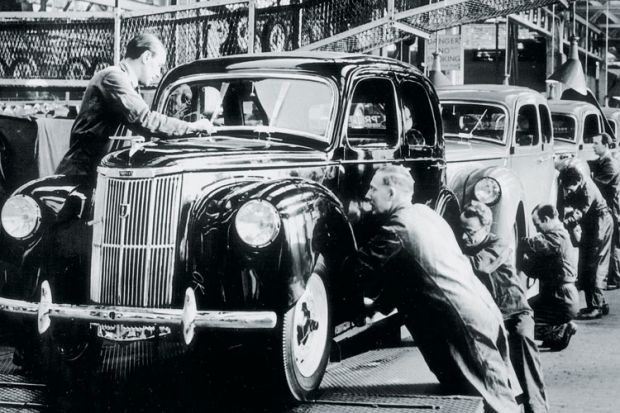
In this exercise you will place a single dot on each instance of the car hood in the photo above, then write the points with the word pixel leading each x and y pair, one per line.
pixel 472 150
pixel 214 153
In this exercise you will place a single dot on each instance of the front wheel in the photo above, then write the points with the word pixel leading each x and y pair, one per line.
pixel 306 339
pixel 70 352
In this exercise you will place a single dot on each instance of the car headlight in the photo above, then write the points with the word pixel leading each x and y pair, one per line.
pixel 257 223
pixel 487 190
pixel 21 216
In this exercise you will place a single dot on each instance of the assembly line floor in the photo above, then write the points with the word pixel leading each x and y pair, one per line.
pixel 137 378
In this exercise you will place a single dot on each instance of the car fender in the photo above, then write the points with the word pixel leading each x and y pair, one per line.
pixel 512 195
pixel 313 227
pixel 63 234
pixel 60 197
pixel 447 205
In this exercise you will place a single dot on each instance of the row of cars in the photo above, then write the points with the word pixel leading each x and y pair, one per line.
pixel 247 230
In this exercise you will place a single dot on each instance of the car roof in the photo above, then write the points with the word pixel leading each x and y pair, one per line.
pixel 571 106
pixel 486 92
pixel 325 63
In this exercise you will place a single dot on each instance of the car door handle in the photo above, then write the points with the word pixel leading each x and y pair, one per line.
pixel 438 166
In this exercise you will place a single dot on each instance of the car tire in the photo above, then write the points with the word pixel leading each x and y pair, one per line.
pixel 70 353
pixel 276 36
pixel 76 69
pixel 23 68
pixel 306 336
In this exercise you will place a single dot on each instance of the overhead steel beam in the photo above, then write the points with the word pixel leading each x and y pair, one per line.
pixel 56 14
pixel 124 4
pixel 411 30
pixel 428 8
pixel 170 9
pixel 348 33
pixel 532 26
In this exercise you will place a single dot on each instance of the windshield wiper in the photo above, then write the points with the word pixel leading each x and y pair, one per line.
pixel 471 132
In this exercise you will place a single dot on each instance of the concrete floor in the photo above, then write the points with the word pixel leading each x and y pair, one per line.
pixel 585 378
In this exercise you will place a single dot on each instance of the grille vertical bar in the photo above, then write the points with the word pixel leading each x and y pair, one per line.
pixel 135 226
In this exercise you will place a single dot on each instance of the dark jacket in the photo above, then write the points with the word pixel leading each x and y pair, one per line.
pixel 111 102
pixel 589 201
pixel 606 176
pixel 550 257
pixel 492 264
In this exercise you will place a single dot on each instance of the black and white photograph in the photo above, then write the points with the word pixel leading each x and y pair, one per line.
pixel 309 206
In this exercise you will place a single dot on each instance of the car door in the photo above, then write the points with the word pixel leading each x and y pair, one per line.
pixel 420 135
pixel 592 126
pixel 528 159
pixel 372 134
pixel 547 162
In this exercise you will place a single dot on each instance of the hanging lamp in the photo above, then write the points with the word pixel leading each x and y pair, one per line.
pixel 570 74
pixel 438 79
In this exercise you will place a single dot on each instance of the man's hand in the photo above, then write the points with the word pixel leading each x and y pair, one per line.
pixel 204 125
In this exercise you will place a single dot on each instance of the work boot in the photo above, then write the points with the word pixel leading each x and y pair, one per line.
pixel 562 343
pixel 590 314
pixel 605 309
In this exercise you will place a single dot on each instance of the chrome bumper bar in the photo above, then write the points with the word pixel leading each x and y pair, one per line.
pixel 189 318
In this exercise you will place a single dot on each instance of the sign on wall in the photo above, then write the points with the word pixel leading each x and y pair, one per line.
pixel 450 47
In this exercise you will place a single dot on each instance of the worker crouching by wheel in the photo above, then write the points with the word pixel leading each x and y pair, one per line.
pixel 550 257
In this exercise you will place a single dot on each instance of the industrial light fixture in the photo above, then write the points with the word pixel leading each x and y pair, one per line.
pixel 436 75
pixel 570 73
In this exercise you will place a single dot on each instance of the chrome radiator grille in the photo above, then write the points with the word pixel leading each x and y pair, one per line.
pixel 134 236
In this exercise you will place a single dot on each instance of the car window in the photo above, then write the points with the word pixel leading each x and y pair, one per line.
pixel 527 126
pixel 563 127
pixel 418 118
pixel 545 123
pixel 591 127
pixel 372 115
pixel 473 121
pixel 289 105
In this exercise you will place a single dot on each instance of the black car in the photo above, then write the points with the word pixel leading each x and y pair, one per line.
pixel 246 229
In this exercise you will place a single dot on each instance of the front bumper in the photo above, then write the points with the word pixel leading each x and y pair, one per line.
pixel 188 318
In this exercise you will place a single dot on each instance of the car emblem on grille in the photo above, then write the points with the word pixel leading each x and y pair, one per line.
pixel 124 211
pixel 126 173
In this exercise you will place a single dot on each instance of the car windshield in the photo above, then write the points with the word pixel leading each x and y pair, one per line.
pixel 260 104
pixel 473 121
pixel 563 127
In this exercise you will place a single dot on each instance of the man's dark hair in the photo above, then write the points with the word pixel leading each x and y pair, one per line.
pixel 141 43
pixel 476 209
pixel 605 138
pixel 570 175
pixel 545 211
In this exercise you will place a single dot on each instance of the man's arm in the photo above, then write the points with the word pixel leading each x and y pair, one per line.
pixel 535 248
pixel 136 113
pixel 606 173
pixel 371 259
pixel 489 259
